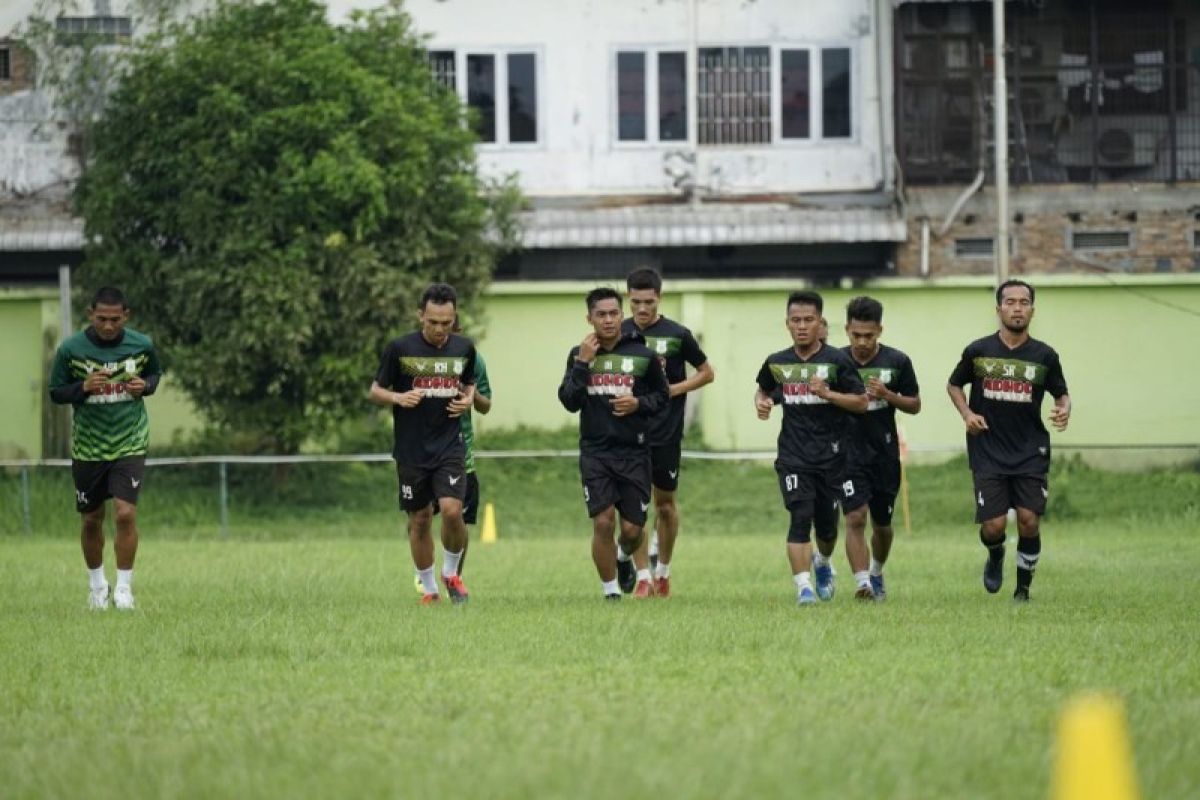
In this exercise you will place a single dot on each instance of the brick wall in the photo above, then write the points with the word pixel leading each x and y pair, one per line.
pixel 20 66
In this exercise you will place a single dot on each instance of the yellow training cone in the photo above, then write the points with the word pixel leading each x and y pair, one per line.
pixel 1094 761
pixel 488 534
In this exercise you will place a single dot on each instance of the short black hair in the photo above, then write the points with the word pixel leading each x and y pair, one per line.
pixel 806 298
pixel 864 309
pixel 602 293
pixel 109 296
pixel 644 278
pixel 439 294
pixel 1008 284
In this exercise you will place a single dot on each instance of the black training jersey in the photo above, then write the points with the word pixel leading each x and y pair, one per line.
pixel 426 435
pixel 674 345
pixel 873 435
pixel 629 368
pixel 813 430
pixel 1007 387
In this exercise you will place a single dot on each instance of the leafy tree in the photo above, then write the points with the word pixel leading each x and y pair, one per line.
pixel 273 192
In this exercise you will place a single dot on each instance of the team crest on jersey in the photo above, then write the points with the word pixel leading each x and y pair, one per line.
pixel 822 372
pixel 661 346
pixel 458 366
pixel 885 375
pixel 804 373
pixel 627 365
pixel 1030 372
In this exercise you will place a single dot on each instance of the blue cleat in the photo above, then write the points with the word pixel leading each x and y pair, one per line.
pixel 824 576
pixel 993 571
pixel 806 597
pixel 877 587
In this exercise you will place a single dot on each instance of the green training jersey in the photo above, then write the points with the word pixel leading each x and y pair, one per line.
pixel 112 423
pixel 468 430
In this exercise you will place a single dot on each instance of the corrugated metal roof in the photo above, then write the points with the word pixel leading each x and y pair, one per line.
pixel 37 234
pixel 708 224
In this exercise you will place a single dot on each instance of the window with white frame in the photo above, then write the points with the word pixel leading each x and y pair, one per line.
pixel 501 89
pixel 744 95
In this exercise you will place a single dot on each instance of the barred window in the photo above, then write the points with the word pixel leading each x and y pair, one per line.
pixel 105 28
pixel 631 97
pixel 441 64
pixel 734 95
pixel 481 94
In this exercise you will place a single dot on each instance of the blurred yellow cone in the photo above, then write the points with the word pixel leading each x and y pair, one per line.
pixel 1094 760
pixel 488 534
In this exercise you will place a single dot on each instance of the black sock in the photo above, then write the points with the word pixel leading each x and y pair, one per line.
pixel 1029 548
pixel 996 548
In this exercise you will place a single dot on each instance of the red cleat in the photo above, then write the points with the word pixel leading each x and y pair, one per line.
pixel 662 587
pixel 455 588
pixel 430 599
pixel 643 589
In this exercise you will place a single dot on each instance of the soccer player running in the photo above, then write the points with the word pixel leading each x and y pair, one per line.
pixel 428 379
pixel 1007 445
pixel 105 372
pixel 617 385
pixel 675 347
pixel 873 456
pixel 820 388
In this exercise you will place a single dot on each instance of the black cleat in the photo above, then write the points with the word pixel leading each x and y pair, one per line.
pixel 993 571
pixel 1021 595
pixel 612 597
pixel 626 575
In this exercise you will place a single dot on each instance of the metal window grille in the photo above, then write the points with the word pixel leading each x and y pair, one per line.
pixel 1100 240
pixel 106 28
pixel 977 247
pixel 441 63
pixel 734 95
pixel 1196 240
pixel 5 65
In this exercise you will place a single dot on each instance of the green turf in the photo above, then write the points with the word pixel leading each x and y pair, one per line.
pixel 305 668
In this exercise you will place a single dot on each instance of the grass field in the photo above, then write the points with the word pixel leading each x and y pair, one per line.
pixel 293 660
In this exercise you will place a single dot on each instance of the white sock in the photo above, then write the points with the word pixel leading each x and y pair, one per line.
pixel 663 570
pixel 876 567
pixel 450 563
pixel 427 580
pixel 125 578
pixel 96 578
pixel 643 575
pixel 862 578
pixel 610 587
pixel 819 560
pixel 622 555
pixel 802 580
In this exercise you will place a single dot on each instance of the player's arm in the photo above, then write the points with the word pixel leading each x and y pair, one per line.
pixel 572 392
pixel 907 399
pixel 1060 414
pixel 1056 385
pixel 465 399
pixel 963 374
pixel 381 393
pixel 703 376
pixel 657 391
pixel 64 389
pixel 850 395
pixel 145 383
pixel 764 394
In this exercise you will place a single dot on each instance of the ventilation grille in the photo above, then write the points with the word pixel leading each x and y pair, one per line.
pixel 1100 240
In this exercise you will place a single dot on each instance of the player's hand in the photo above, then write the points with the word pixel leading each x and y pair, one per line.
pixel 135 386
pixel 819 387
pixel 877 389
pixel 589 347
pixel 624 405
pixel 407 399
pixel 460 405
pixel 1060 416
pixel 95 381
pixel 975 423
pixel 763 405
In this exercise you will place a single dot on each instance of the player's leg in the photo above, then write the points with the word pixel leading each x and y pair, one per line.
pixel 600 497
pixel 91 492
pixel 992 502
pixel 1031 493
pixel 799 495
pixel 885 487
pixel 664 463
pixel 633 482
pixel 825 527
pixel 449 485
pixel 416 500
pixel 470 514
pixel 124 484
pixel 855 497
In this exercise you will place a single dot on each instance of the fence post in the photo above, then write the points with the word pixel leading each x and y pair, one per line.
pixel 26 517
pixel 224 497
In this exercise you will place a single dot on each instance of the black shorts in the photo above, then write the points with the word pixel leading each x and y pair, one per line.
pixel 664 466
pixel 471 502
pixel 814 493
pixel 620 482
pixel 875 484
pixel 96 481
pixel 996 494
pixel 420 486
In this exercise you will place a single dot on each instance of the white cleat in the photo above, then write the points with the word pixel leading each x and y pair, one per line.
pixel 123 598
pixel 98 599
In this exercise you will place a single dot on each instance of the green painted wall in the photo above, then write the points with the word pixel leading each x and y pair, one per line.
pixel 1126 346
